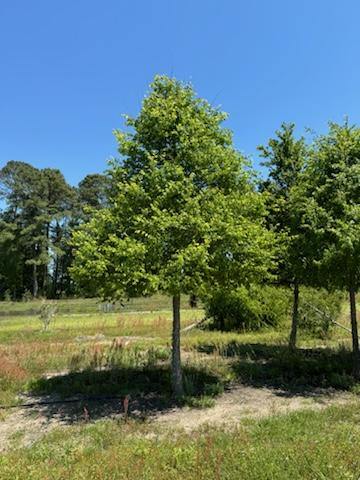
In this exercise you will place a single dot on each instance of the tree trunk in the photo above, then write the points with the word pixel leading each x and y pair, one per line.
pixel 35 281
pixel 57 262
pixel 176 375
pixel 45 282
pixel 295 317
pixel 193 301
pixel 46 272
pixel 55 278
pixel 354 333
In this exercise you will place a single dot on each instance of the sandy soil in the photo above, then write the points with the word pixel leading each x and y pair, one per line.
pixel 24 426
pixel 245 401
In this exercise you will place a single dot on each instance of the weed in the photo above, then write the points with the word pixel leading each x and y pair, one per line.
pixel 204 401
pixel 47 313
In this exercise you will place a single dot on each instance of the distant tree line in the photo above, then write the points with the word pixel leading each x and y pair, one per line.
pixel 41 210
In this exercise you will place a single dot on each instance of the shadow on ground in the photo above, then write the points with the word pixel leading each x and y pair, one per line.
pixel 275 366
pixel 94 394
pixel 100 393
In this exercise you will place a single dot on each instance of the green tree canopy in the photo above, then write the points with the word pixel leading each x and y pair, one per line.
pixel 331 220
pixel 183 214
pixel 93 190
pixel 285 158
pixel 38 204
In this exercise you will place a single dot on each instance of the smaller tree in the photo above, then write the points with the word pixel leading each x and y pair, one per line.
pixel 331 219
pixel 46 314
pixel 285 157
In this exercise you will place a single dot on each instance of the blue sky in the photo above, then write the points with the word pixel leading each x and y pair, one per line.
pixel 70 68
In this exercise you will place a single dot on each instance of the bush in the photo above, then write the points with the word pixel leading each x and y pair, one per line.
pixel 7 296
pixel 47 313
pixel 27 296
pixel 317 307
pixel 258 306
pixel 247 308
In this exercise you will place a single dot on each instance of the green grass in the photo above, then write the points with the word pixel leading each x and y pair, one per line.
pixel 27 353
pixel 83 306
pixel 70 327
pixel 82 348
pixel 304 445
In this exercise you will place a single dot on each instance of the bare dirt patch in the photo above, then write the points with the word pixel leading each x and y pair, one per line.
pixel 24 426
pixel 246 401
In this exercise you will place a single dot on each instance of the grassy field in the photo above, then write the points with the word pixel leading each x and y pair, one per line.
pixel 27 351
pixel 303 445
pixel 83 306
pixel 127 353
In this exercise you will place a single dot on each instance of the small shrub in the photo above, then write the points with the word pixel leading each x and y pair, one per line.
pixel 213 389
pixel 27 296
pixel 356 389
pixel 7 296
pixel 47 313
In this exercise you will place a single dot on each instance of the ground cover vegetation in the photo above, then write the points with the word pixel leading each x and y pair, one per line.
pixel 102 359
pixel 303 445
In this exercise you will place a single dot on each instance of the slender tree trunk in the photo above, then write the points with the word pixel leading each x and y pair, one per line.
pixel 46 272
pixel 45 282
pixel 295 317
pixel 176 375
pixel 35 281
pixel 61 275
pixel 55 278
pixel 57 262
pixel 354 333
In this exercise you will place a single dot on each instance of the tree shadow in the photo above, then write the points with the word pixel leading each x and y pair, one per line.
pixel 293 372
pixel 94 394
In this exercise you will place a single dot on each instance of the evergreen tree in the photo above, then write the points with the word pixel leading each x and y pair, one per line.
pixel 38 206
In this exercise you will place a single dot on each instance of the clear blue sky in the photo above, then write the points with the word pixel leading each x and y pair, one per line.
pixel 70 68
